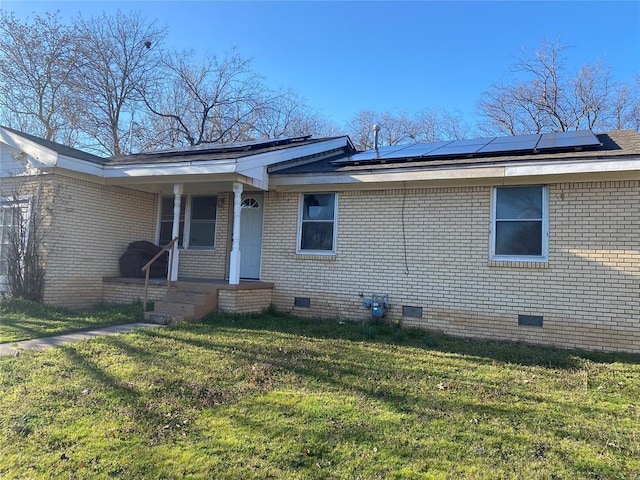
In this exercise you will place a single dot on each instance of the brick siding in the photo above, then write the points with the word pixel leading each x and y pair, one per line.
pixel 430 248
pixel 92 225
pixel 244 301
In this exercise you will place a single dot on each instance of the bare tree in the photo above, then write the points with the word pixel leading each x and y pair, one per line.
pixel 286 115
pixel 212 102
pixel 121 54
pixel 24 217
pixel 38 60
pixel 546 97
pixel 405 128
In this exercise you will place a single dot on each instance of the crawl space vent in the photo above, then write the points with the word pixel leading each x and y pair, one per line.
pixel 302 302
pixel 530 320
pixel 412 312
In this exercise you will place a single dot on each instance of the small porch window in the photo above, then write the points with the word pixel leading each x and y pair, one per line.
pixel 198 216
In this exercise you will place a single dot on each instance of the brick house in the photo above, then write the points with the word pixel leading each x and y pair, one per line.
pixel 533 238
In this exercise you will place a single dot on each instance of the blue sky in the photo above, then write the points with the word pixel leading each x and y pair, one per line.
pixel 343 57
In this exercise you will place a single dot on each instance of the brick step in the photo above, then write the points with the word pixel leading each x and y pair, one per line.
pixel 194 287
pixel 188 305
pixel 175 308
pixel 163 318
pixel 196 298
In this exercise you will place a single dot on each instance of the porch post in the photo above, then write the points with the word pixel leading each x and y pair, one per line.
pixel 234 265
pixel 177 198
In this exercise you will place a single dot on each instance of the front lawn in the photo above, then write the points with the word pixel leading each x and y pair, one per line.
pixel 23 320
pixel 280 397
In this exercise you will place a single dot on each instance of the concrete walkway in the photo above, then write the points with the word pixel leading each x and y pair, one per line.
pixel 13 349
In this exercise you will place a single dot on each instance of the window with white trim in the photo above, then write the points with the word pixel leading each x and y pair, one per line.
pixel 317 223
pixel 197 221
pixel 520 224
pixel 8 218
pixel 13 223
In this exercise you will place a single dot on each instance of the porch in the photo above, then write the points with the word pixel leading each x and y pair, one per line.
pixel 189 298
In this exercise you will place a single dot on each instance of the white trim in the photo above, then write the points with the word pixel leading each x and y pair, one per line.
pixel 334 250
pixel 36 151
pixel 80 166
pixel 25 204
pixel 253 166
pixel 545 229
pixel 467 173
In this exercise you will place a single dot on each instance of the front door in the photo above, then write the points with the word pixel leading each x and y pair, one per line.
pixel 251 235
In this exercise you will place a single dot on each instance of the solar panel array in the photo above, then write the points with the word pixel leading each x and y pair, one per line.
pixel 519 144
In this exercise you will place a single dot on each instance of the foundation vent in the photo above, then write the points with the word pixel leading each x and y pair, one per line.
pixel 530 321
pixel 302 302
pixel 411 312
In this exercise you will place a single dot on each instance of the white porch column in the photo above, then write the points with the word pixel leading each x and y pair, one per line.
pixel 177 198
pixel 234 264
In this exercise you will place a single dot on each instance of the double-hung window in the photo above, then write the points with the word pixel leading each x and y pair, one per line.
pixel 197 221
pixel 520 224
pixel 14 232
pixel 317 223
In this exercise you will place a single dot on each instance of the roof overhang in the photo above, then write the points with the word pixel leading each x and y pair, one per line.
pixel 248 169
pixel 619 169
pixel 39 154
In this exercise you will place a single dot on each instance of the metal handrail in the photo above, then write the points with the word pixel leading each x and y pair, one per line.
pixel 147 267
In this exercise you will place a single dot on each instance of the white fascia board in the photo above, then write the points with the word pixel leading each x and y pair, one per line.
pixel 43 155
pixel 251 166
pixel 167 169
pixel 602 166
pixel 458 174
pixel 286 154
pixel 258 173
pixel 254 182
pixel 384 177
pixel 80 166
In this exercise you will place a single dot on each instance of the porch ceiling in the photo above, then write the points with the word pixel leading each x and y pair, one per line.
pixel 200 184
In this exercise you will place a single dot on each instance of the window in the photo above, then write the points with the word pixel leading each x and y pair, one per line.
pixel 166 220
pixel 203 222
pixel 317 225
pixel 7 222
pixel 520 224
pixel 197 221
pixel 13 222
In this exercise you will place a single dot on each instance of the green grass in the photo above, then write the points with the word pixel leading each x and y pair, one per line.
pixel 280 397
pixel 23 320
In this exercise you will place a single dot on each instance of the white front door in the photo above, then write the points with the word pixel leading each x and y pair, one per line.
pixel 251 235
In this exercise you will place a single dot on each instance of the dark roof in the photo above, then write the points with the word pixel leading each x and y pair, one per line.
pixel 211 151
pixel 614 144
pixel 57 147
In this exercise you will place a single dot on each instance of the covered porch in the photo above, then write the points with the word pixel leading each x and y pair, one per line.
pixel 209 207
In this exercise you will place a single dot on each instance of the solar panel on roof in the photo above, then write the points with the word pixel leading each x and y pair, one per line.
pixel 520 143
pixel 480 146
pixel 460 147
pixel 416 150
pixel 579 138
pixel 369 155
